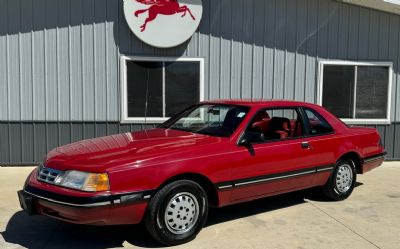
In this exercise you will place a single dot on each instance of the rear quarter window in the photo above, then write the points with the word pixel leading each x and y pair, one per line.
pixel 316 124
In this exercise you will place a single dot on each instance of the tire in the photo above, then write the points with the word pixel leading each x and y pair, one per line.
pixel 342 181
pixel 177 213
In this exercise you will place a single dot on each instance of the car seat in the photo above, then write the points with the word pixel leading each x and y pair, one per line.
pixel 261 122
pixel 278 128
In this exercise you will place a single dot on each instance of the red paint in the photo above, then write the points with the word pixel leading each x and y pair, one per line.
pixel 145 160
pixel 161 7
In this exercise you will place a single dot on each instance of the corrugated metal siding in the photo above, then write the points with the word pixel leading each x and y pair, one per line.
pixel 59 58
pixel 28 143
pixel 59 71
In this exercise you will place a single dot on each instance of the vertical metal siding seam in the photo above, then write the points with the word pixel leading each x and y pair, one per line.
pixel 273 53
pixel 328 24
pixel 220 53
pixel 95 129
pixel 348 35
pixel 198 39
pixel 20 60
pixel 70 62
pixel 263 54
pixel 9 141
pixel 231 52
pixel 45 63
pixel 253 51
pixel 118 52
pixel 46 130
pixel 82 66
pixel 242 54
pixel 338 30
pixel 358 28
pixel 317 46
pixel 285 54
pixel 106 65
pixel 21 140
pixel 306 53
pixel 7 66
pixel 34 140
pixel 58 68
pixel 58 134
pixel 295 52
pixel 71 137
pixel 231 55
pixel 274 56
pixel 32 63
pixel 379 33
pixel 394 140
pixel 230 23
pixel 369 31
pixel 94 61
pixel 209 54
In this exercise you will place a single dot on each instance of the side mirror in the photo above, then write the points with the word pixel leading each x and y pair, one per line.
pixel 244 142
pixel 251 137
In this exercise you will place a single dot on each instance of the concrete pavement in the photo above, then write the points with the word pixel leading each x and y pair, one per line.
pixel 370 218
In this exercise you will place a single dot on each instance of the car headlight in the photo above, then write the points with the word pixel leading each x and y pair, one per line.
pixel 90 182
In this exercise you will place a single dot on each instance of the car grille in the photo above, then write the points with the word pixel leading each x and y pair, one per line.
pixel 47 174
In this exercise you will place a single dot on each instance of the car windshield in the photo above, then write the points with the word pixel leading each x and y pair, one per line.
pixel 209 119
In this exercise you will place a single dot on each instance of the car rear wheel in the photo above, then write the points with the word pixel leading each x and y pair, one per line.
pixel 341 183
pixel 177 212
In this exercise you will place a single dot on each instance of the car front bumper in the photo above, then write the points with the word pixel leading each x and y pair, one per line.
pixel 100 210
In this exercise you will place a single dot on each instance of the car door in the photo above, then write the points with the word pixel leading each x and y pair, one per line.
pixel 322 142
pixel 271 164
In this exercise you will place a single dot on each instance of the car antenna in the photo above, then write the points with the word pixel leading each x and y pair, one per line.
pixel 147 96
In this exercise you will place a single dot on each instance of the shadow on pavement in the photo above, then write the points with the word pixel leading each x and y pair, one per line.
pixel 42 232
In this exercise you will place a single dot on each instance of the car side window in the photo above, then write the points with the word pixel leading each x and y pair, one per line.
pixel 316 124
pixel 274 125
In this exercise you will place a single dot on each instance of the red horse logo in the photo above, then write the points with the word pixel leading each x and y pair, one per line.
pixel 161 7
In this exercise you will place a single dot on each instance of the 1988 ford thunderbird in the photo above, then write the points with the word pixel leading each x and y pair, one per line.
pixel 211 154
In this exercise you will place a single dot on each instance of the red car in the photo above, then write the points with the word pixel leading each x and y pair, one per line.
pixel 212 154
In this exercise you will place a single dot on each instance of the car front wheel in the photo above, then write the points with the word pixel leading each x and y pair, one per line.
pixel 342 181
pixel 177 212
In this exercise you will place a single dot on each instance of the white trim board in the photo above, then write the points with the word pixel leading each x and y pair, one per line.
pixel 322 63
pixel 391 6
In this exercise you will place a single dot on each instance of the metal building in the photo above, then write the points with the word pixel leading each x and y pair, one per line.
pixel 67 66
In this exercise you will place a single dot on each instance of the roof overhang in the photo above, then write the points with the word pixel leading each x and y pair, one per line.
pixel 392 6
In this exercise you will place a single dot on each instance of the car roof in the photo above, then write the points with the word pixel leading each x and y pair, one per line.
pixel 261 102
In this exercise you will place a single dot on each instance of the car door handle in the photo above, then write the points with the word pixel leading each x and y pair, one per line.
pixel 305 145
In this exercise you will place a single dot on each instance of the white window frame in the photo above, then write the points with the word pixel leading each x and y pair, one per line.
pixel 124 87
pixel 322 63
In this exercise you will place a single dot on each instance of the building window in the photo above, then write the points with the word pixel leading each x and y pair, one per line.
pixel 154 90
pixel 356 92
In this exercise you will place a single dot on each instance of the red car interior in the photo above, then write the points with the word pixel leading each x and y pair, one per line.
pixel 276 127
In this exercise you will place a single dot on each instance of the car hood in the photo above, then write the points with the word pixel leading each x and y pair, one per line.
pixel 129 149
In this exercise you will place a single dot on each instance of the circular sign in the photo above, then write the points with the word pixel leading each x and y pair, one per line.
pixel 163 23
